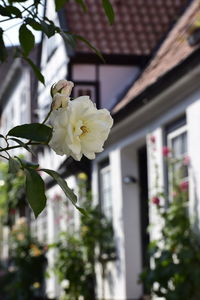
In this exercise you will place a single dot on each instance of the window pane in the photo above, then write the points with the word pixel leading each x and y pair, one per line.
pixel 177 141
pixel 179 145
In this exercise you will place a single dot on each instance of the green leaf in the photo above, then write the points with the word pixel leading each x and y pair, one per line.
pixel 13 165
pixel 10 11
pixel 83 211
pixel 22 145
pixel 3 50
pixel 35 131
pixel 108 11
pixel 35 191
pixel 82 4
pixel 63 184
pixel 48 29
pixel 68 192
pixel 27 39
pixel 34 24
pixel 98 53
pixel 60 3
pixel 68 38
pixel 28 164
pixel 36 70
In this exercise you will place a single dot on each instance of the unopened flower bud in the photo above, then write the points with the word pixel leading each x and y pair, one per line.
pixel 63 87
pixel 67 89
pixel 59 100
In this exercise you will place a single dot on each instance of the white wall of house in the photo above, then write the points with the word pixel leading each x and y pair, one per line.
pixel 53 220
pixel 17 107
pixel 16 111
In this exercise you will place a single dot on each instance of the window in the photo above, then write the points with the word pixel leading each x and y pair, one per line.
pixel 106 189
pixel 177 171
pixel 86 89
pixel 177 142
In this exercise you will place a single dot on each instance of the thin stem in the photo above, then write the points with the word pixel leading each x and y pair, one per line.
pixel 14 25
pixel 18 146
pixel 30 12
pixel 8 19
pixel 4 156
pixel 47 116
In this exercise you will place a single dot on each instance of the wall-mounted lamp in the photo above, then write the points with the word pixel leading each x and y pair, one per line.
pixel 129 179
pixel 194 37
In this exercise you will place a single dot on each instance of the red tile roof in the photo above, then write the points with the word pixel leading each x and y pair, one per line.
pixel 172 52
pixel 139 24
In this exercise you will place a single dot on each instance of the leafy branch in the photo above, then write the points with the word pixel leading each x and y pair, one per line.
pixel 31 21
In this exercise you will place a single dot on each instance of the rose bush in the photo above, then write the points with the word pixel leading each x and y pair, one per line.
pixel 76 128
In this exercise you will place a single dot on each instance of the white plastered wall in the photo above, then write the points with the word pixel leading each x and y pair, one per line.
pixel 115 269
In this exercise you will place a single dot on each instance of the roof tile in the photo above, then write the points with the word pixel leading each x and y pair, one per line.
pixel 139 24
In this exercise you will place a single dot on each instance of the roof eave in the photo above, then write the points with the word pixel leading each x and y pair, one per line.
pixel 163 82
pixel 112 59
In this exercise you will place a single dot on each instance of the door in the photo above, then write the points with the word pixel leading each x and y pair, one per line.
pixel 144 205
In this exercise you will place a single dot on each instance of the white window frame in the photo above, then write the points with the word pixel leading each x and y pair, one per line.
pixel 170 136
pixel 175 133
pixel 103 170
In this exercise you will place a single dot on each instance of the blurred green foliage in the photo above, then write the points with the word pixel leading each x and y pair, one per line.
pixel 11 192
pixel 78 252
pixel 22 277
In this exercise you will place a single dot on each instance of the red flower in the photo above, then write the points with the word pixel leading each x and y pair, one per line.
pixel 13 211
pixel 184 185
pixel 155 200
pixel 152 139
pixel 166 151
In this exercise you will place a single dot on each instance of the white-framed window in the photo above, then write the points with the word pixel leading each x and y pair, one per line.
pixel 177 142
pixel 85 89
pixel 105 189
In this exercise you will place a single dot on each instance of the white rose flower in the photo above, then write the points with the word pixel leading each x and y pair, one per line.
pixel 80 129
